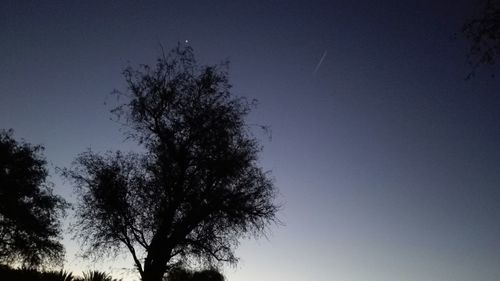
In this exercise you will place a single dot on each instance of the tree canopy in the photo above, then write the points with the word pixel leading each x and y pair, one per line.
pixel 483 33
pixel 29 211
pixel 195 191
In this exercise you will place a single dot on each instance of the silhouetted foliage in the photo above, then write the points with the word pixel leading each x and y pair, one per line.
pixel 182 274
pixel 28 274
pixel 207 275
pixel 60 275
pixel 8 273
pixel 195 192
pixel 29 211
pixel 484 36
pixel 94 275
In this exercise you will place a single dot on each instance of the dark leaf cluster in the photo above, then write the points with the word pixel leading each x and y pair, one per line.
pixel 29 211
pixel 183 274
pixel 484 36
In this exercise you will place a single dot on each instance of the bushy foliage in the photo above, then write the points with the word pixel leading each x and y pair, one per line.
pixel 57 276
pixel 94 275
pixel 182 274
pixel 29 211
pixel 483 33
pixel 8 273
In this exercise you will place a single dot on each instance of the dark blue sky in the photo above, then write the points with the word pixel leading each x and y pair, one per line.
pixel 387 160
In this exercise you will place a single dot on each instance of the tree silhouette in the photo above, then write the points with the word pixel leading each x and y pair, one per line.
pixel 29 211
pixel 195 191
pixel 484 35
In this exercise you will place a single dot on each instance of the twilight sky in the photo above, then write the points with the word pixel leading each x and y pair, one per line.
pixel 387 160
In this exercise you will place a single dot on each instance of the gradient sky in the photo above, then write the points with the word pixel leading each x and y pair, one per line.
pixel 387 160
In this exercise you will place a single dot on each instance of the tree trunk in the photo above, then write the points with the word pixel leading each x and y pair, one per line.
pixel 153 274
pixel 156 259
pixel 155 266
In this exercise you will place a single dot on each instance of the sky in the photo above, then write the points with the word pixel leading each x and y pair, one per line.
pixel 387 159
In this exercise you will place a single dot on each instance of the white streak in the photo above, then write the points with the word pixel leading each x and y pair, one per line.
pixel 320 62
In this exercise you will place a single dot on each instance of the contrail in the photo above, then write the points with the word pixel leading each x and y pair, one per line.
pixel 320 62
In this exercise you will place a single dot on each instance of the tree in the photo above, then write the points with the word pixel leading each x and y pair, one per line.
pixel 484 36
pixel 29 211
pixel 195 191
